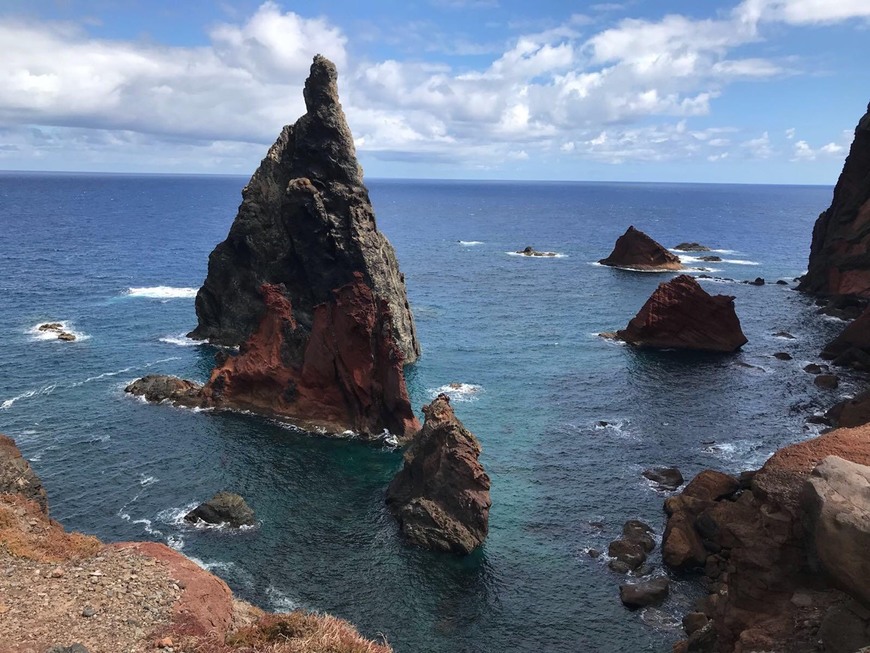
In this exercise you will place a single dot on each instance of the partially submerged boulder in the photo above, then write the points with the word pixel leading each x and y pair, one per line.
pixel 440 497
pixel 223 508
pixel 157 388
pixel 531 251
pixel 851 412
pixel 852 347
pixel 682 315
pixel 644 593
pixel 666 478
pixel 635 250
pixel 692 247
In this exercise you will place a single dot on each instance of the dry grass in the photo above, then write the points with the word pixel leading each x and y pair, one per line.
pixel 293 632
pixel 25 532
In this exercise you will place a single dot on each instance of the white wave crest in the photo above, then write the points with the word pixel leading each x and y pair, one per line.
pixel 738 261
pixel 279 601
pixel 470 243
pixel 46 390
pixel 458 391
pixel 162 292
pixel 181 340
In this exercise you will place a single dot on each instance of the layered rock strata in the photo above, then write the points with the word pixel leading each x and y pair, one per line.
pixel 840 252
pixel 309 289
pixel 440 497
pixel 306 224
pixel 635 250
pixel 682 315
pixel 783 549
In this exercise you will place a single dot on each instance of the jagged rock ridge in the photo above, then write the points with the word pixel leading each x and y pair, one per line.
pixel 635 250
pixel 305 223
pixel 441 494
pixel 840 252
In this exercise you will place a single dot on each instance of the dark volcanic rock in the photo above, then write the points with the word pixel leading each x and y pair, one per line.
pixel 758 281
pixel 223 508
pixel 531 251
pixel 17 476
pixel 827 381
pixel 682 315
pixel 783 356
pixel 840 252
pixel 712 259
pixel 692 247
pixel 668 478
pixel 851 412
pixel 441 495
pixel 852 347
pixel 644 593
pixel 159 387
pixel 634 249
pixel 305 223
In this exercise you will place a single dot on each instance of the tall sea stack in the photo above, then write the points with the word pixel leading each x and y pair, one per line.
pixel 840 251
pixel 309 289
pixel 306 225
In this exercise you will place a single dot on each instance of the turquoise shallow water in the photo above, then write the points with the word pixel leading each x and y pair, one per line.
pixel 519 332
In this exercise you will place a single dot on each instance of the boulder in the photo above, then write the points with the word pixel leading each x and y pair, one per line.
pixel 836 505
pixel 18 477
pixel 634 249
pixel 839 261
pixel 531 251
pixel 813 368
pixel 682 315
pixel 160 387
pixel 631 554
pixel 783 356
pixel 440 497
pixel 692 247
pixel 66 336
pixel 712 259
pixel 852 347
pixel 645 593
pixel 667 478
pixel 758 281
pixel 827 381
pixel 851 412
pixel 223 508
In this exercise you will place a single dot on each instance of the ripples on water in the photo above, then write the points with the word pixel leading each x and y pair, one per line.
pixel 118 259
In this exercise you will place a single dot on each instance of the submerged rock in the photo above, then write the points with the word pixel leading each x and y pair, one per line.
pixel 692 247
pixel 783 356
pixel 634 249
pixel 223 508
pixel 309 288
pixel 827 381
pixel 682 315
pixel 839 261
pixel 530 251
pixel 440 497
pixel 18 477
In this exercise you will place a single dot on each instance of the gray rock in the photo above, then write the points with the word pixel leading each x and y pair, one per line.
pixel 836 512
pixel 783 356
pixel 668 478
pixel 88 611
pixel 813 368
pixel 845 628
pixel 223 508
pixel 159 387
pixel 644 593
pixel 17 476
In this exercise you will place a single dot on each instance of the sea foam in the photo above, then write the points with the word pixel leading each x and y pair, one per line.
pixel 458 391
pixel 162 292
pixel 470 243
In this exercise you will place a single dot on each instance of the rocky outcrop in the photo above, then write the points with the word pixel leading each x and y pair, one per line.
pixel 440 497
pixel 309 289
pixel 840 252
pixel 18 477
pixel 682 315
pixel 141 595
pixel 665 478
pixel 635 250
pixel 644 593
pixel 850 413
pixel 852 347
pixel 305 224
pixel 531 251
pixel 776 551
pixel 692 247
pixel 223 508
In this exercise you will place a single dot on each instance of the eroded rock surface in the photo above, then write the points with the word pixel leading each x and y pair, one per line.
pixel 840 252
pixel 634 249
pixel 441 495
pixel 223 508
pixel 17 476
pixel 682 315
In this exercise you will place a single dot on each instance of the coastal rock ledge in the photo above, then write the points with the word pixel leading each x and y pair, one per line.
pixel 441 495
pixel 309 290
pixel 635 250
pixel 682 315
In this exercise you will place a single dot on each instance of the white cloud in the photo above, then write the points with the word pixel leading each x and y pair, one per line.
pixel 759 148
pixel 804 12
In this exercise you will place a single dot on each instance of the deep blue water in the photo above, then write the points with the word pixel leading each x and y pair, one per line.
pixel 521 331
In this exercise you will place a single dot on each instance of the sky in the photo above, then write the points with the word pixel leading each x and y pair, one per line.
pixel 751 91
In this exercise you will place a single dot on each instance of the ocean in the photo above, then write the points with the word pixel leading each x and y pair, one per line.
pixel 567 420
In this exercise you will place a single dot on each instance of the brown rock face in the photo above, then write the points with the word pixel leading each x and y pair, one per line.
pixel 682 315
pixel 17 477
pixel 762 548
pixel 852 347
pixel 306 224
pixel 634 249
pixel 345 373
pixel 840 251
pixel 441 495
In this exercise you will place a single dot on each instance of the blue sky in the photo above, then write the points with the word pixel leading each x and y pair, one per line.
pixel 758 91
